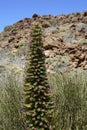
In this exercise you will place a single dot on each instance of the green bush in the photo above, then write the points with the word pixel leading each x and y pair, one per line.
pixel 7 28
pixel 11 117
pixel 70 97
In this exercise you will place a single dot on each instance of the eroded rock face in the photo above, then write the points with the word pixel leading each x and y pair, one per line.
pixel 64 38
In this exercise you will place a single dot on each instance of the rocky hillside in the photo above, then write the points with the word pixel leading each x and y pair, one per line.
pixel 64 38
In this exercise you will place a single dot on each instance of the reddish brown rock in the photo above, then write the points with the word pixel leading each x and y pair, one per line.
pixel 46 24
pixel 82 57
pixel 85 13
pixel 85 19
pixel 35 16
pixel 11 39
pixel 55 29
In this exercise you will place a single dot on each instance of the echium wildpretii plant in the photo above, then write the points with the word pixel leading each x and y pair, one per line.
pixel 38 106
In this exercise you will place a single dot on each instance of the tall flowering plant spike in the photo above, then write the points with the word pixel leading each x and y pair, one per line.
pixel 37 93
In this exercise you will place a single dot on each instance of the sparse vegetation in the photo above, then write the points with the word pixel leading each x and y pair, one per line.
pixel 70 97
pixel 21 42
pixel 11 117
pixel 53 22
